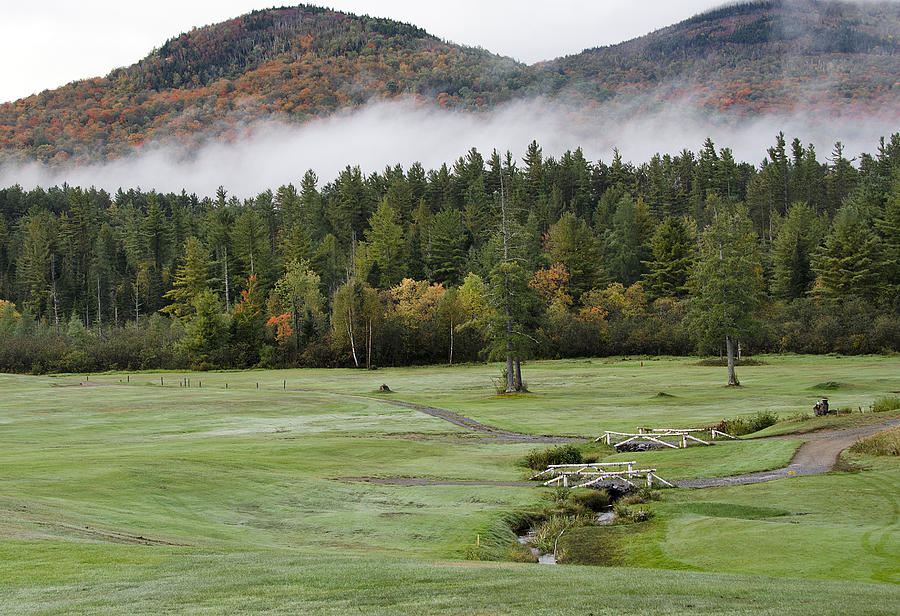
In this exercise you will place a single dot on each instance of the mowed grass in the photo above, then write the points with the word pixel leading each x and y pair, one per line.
pixel 140 499
pixel 586 397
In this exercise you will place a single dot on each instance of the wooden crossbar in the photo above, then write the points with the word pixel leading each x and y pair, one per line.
pixel 592 464
pixel 626 476
pixel 656 434
pixel 643 430
pixel 553 467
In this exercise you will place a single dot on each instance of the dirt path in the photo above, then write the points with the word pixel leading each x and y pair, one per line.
pixel 462 421
pixel 816 456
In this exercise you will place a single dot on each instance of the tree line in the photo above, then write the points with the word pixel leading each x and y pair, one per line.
pixel 482 258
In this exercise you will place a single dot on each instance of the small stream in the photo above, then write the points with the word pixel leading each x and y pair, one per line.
pixel 549 558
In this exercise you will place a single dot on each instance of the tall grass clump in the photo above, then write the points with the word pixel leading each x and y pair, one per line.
pixel 737 426
pixel 539 459
pixel 885 443
pixel 886 403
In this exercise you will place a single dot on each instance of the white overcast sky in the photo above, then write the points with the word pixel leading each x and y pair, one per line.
pixel 47 43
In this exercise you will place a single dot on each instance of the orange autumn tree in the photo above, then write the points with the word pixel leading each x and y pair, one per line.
pixel 283 330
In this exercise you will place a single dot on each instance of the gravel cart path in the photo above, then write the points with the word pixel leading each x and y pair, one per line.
pixel 815 457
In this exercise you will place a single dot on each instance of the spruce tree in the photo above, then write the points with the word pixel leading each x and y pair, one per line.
pixel 673 252
pixel 726 283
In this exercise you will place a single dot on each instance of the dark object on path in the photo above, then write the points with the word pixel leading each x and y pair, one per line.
pixel 821 408
pixel 384 388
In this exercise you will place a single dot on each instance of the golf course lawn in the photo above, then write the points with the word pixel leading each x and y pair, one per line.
pixel 122 495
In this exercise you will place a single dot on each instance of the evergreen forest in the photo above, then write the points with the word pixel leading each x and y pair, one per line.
pixel 523 256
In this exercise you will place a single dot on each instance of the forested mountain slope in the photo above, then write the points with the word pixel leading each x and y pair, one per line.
pixel 304 62
pixel 754 57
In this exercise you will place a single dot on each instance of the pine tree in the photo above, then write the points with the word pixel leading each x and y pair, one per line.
pixel 571 243
pixel 447 247
pixel 674 252
pixel 794 248
pixel 851 261
pixel 727 281
pixel 888 225
pixel 191 279
pixel 384 245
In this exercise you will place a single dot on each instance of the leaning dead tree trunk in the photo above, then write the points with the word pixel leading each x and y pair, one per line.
pixel 369 344
pixel 352 342
pixel 451 341
pixel 729 345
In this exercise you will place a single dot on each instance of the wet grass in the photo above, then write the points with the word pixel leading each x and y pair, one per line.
pixel 98 483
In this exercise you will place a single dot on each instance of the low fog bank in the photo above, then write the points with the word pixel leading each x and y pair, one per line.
pixel 383 134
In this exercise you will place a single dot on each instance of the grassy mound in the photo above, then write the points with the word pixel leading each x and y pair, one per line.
pixel 829 385
pixel 885 443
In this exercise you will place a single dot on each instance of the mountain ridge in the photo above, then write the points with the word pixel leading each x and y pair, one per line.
pixel 305 62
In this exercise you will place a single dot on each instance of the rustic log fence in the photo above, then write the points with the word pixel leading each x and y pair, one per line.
pixel 589 474
pixel 656 435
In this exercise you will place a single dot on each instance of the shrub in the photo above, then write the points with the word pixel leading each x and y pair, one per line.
pixel 630 515
pixel 886 403
pixel 737 426
pixel 639 496
pixel 563 454
pixel 763 419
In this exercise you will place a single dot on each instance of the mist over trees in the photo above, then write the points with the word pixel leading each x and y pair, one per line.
pixel 484 258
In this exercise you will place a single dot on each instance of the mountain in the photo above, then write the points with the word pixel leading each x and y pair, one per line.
pixel 304 62
pixel 758 57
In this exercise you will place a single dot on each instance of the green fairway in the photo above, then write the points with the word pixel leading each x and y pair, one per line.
pixel 134 498
pixel 586 397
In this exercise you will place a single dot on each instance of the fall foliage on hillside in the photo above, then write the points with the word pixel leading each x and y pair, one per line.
pixel 299 63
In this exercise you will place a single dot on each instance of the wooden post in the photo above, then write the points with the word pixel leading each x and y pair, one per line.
pixel 160 381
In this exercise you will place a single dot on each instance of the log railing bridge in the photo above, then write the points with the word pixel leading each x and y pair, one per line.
pixel 588 474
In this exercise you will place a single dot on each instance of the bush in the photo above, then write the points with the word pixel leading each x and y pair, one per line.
pixel 563 454
pixel 763 419
pixel 630 515
pixel 639 496
pixel 886 403
pixel 737 426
